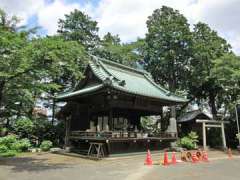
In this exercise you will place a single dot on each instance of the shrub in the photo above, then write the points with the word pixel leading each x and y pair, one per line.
pixel 43 129
pixel 9 153
pixel 10 145
pixel 3 131
pixel 23 127
pixel 3 149
pixel 21 145
pixel 46 145
pixel 189 141
pixel 186 142
pixel 8 140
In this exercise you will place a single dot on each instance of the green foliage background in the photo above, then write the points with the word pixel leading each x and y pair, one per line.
pixel 198 63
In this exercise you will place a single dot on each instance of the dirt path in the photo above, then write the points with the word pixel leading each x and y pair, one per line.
pixel 46 166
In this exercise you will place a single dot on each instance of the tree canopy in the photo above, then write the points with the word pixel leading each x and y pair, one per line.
pixel 79 27
pixel 207 47
pixel 168 47
pixel 30 67
pixel 197 62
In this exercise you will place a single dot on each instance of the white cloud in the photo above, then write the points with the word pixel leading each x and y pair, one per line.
pixel 128 17
pixel 23 9
pixel 223 16
pixel 49 15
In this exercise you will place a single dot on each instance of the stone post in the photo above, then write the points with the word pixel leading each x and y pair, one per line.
pixel 204 136
pixel 223 136
pixel 172 128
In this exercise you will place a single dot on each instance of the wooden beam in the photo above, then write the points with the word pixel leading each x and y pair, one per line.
pixel 211 121
pixel 129 105
pixel 213 125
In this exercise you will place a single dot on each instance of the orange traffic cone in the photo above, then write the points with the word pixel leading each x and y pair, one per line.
pixel 148 160
pixel 205 156
pixel 194 158
pixel 229 153
pixel 165 160
pixel 174 160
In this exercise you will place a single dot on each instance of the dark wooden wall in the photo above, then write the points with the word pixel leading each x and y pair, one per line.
pixel 79 120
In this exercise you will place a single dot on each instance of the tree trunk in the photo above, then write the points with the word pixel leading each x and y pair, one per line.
pixel 212 104
pixel 2 83
pixel 172 121
pixel 172 88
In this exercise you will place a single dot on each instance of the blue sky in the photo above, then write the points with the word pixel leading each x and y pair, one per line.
pixel 128 17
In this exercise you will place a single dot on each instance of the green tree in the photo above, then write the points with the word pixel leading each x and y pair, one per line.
pixel 44 65
pixel 56 63
pixel 12 65
pixel 168 48
pixel 226 71
pixel 78 26
pixel 110 39
pixel 207 46
pixel 8 23
pixel 112 49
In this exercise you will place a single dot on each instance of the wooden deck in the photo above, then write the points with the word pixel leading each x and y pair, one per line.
pixel 118 136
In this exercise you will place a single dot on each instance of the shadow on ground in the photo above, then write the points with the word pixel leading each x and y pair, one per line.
pixel 19 164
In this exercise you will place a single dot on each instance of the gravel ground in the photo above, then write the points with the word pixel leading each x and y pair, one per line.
pixel 46 166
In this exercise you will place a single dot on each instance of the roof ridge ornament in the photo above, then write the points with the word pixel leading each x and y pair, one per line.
pixel 95 59
pixel 107 81
pixel 122 83
pixel 169 93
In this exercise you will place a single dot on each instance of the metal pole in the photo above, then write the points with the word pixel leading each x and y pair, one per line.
pixel 237 121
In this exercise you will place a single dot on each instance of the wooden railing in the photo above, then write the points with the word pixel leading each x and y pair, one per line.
pixel 120 134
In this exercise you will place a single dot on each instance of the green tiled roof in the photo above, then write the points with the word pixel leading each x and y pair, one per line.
pixel 81 91
pixel 125 79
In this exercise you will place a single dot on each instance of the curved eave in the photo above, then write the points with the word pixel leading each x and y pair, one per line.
pixel 80 92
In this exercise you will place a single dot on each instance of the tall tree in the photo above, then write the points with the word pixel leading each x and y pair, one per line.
pixel 207 46
pixel 226 71
pixel 30 67
pixel 78 26
pixel 168 47
pixel 59 64
pixel 168 51
pixel 110 39
pixel 45 65
pixel 8 22
pixel 11 43
pixel 112 49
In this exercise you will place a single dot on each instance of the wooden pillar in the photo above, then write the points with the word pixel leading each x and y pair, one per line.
pixel 223 136
pixel 204 136
pixel 88 117
pixel 110 119
pixel 67 131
